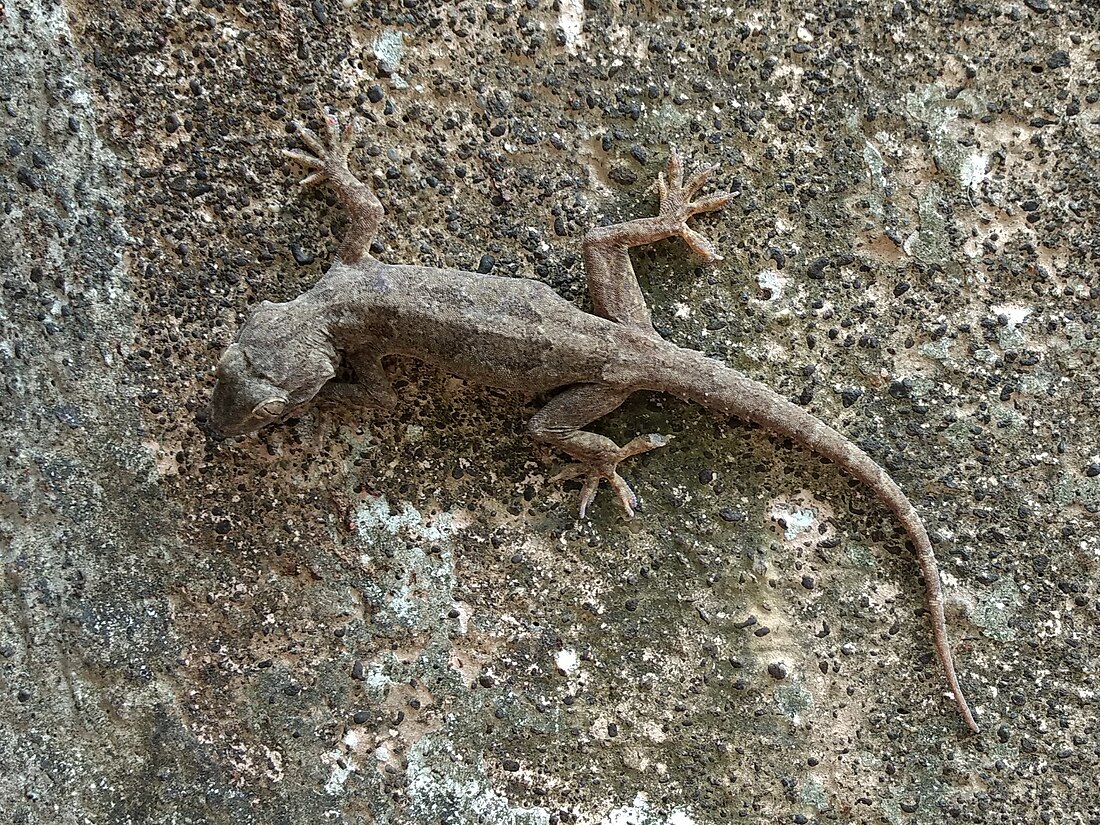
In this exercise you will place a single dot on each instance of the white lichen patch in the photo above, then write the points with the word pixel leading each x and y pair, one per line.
pixel 803 519
pixel 571 22
pixel 437 773
pixel 390 47
pixel 566 660
pixel 342 768
pixel 1013 314
pixel 639 812
pixel 973 170
pixel 771 284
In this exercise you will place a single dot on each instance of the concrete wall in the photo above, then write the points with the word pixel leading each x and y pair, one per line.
pixel 360 618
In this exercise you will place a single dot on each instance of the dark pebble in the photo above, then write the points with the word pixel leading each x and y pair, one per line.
pixel 620 174
pixel 28 178
pixel 375 93
pixel 849 397
pixel 901 288
pixel 361 716
pixel 808 582
pixel 510 765
pixel 319 12
pixel 300 255
pixel 1058 60
pixel 777 670
pixel 900 389
pixel 1093 470
pixel 631 605
pixel 485 680
pixel 485 266
pixel 1037 5
pixel 358 670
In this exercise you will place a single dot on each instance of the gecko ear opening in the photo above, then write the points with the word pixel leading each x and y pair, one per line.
pixel 270 408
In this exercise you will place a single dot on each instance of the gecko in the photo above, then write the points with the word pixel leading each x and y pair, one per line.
pixel 518 334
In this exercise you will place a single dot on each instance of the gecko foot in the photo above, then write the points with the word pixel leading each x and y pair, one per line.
pixel 596 471
pixel 677 204
pixel 329 156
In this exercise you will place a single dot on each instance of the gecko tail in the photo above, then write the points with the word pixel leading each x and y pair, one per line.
pixel 694 377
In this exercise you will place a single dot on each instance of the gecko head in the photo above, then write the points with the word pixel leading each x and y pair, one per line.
pixel 243 400
pixel 271 371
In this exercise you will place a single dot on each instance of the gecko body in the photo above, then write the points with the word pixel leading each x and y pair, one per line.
pixel 518 334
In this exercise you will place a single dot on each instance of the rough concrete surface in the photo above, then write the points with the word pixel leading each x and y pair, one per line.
pixel 397 619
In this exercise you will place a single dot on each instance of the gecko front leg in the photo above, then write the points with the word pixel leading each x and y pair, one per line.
pixel 611 281
pixel 331 163
pixel 372 388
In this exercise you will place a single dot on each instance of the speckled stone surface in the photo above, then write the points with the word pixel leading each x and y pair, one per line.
pixel 397 619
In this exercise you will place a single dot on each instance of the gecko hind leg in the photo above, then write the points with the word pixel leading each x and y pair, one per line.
pixel 559 424
pixel 329 159
pixel 611 279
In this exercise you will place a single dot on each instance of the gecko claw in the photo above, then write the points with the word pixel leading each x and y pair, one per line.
pixel 677 204
pixel 595 472
pixel 328 156
pixel 593 475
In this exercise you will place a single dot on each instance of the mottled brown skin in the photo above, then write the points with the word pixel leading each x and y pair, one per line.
pixel 518 334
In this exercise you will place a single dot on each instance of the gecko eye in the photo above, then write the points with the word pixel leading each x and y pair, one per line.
pixel 270 408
